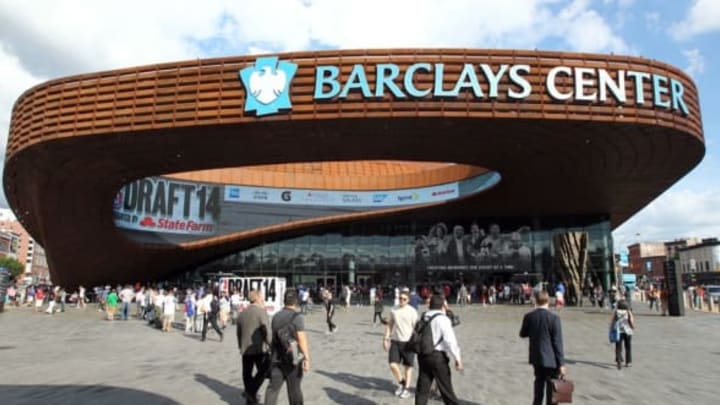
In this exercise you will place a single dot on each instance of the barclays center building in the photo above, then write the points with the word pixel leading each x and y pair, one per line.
pixel 359 166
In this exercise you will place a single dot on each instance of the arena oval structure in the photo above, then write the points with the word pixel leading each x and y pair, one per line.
pixel 364 166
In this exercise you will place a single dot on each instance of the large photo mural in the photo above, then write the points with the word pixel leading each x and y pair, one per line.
pixel 457 247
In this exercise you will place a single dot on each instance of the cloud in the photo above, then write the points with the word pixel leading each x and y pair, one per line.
pixel 703 16
pixel 696 62
pixel 13 81
pixel 653 21
pixel 676 214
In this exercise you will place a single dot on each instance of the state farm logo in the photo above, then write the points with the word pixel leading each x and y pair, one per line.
pixel 442 192
pixel 286 195
pixel 177 225
pixel 148 222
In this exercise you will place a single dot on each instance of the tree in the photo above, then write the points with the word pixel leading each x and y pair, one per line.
pixel 572 252
pixel 15 267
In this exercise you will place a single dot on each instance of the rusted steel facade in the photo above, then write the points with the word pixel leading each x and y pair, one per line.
pixel 75 141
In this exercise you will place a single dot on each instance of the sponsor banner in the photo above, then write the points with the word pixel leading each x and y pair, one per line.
pixel 163 205
pixel 332 198
pixel 272 288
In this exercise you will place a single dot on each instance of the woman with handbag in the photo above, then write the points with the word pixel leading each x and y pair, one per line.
pixel 626 324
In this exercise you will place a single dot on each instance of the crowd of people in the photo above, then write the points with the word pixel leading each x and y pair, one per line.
pixel 264 350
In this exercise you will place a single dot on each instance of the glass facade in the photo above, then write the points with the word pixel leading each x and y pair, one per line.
pixel 473 250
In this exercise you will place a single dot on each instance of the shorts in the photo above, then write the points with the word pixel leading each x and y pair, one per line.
pixel 400 354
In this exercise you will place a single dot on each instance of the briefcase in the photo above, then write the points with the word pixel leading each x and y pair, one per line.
pixel 562 390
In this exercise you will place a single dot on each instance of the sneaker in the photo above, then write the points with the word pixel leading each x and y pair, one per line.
pixel 399 390
pixel 404 394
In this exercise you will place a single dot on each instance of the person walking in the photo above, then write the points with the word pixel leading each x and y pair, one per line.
pixel 546 346
pixel 625 320
pixel 112 303
pixel 126 296
pixel 168 312
pixel 347 295
pixel 377 314
pixel 435 366
pixel 329 311
pixel 304 294
pixel 281 371
pixel 212 308
pixel 254 339
pixel 398 331
pixel 81 298
pixel 140 303
pixel 190 310
pixel 39 298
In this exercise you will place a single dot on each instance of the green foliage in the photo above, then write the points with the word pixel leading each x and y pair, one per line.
pixel 16 268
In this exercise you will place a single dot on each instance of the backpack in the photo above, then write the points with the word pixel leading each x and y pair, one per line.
pixel 421 340
pixel 286 345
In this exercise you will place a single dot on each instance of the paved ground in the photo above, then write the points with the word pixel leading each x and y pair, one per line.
pixel 79 358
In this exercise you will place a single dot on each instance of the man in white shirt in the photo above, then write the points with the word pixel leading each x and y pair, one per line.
pixel 397 333
pixel 140 303
pixel 435 366
pixel 168 314
pixel 158 304
pixel 81 297
pixel 126 296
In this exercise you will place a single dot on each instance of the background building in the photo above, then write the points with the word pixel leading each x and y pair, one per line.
pixel 23 247
pixel 701 258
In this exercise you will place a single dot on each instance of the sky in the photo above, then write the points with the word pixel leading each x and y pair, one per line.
pixel 46 39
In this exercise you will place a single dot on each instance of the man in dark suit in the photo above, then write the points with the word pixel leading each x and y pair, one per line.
pixel 546 346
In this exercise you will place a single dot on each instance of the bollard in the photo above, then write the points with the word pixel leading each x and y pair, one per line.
pixel 710 305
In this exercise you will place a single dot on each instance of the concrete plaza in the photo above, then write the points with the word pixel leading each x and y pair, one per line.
pixel 76 357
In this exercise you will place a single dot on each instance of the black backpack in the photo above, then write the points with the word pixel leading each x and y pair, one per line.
pixel 421 340
pixel 286 345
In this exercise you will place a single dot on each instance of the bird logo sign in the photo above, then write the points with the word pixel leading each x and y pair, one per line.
pixel 267 85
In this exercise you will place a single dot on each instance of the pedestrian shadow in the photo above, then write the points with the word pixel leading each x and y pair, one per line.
pixel 360 381
pixel 79 394
pixel 193 336
pixel 598 312
pixel 229 394
pixel 7 347
pixel 591 363
pixel 340 397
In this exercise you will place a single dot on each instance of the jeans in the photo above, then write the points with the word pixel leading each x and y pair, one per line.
pixel 280 374
pixel 434 366
pixel 125 310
